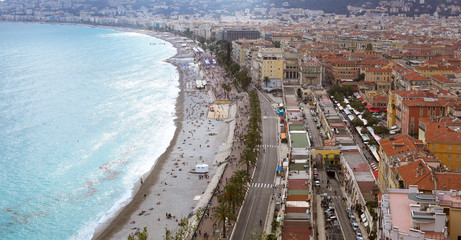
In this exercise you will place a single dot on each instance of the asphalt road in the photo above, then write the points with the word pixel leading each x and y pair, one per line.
pixel 344 221
pixel 314 133
pixel 257 202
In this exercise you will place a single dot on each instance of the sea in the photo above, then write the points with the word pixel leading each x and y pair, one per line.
pixel 84 114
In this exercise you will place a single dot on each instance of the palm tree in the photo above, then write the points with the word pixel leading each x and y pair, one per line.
pixel 233 195
pixel 241 178
pixel 248 158
pixel 266 80
pixel 221 213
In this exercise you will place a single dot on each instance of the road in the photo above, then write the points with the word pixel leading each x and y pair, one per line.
pixel 332 187
pixel 257 202
pixel 344 221
pixel 314 133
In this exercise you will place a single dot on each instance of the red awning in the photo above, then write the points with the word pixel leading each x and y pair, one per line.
pixel 368 106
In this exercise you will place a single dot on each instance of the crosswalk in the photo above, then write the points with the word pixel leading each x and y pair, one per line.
pixel 262 185
pixel 373 166
pixel 268 146
pixel 270 117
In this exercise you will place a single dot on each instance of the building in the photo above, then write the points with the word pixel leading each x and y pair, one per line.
pixel 376 101
pixel 411 215
pixel 270 64
pixel 392 153
pixel 341 69
pixel 234 34
pixel 241 49
pixel 415 81
pixel 381 77
pixel 359 181
pixel 291 67
pixel 450 201
pixel 395 104
pixel 443 137
pixel 442 82
pixel 428 71
pixel 414 109
pixel 310 71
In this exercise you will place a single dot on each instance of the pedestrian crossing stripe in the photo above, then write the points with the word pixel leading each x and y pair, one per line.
pixel 268 146
pixel 262 185
pixel 270 117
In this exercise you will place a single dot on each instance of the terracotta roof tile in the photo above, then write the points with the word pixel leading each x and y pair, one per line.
pixel 401 143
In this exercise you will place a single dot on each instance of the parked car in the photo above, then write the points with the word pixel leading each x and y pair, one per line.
pixel 317 183
pixel 349 212
pixel 353 218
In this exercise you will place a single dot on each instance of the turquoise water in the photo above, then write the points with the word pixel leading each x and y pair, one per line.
pixel 84 112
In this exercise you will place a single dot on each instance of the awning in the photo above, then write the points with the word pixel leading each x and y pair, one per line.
pixel 368 106
pixel 283 136
pixel 278 168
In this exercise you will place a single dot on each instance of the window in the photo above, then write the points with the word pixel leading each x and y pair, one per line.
pixel 433 146
pixel 421 111
pixel 457 158
pixel 449 157
pixel 449 147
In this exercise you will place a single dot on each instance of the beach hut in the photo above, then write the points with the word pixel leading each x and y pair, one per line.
pixel 201 168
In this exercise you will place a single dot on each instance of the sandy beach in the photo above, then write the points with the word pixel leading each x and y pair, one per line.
pixel 169 188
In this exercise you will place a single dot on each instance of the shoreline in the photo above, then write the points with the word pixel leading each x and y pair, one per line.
pixel 180 200
pixel 108 229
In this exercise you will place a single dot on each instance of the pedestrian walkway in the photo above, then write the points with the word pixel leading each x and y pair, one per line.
pixel 209 227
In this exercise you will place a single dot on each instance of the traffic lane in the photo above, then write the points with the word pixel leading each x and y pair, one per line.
pixel 340 210
pixel 254 211
pixel 344 221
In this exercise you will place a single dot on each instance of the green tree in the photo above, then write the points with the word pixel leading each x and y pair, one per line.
pixel 248 158
pixel 369 46
pixel 222 213
pixel 367 114
pixel 276 44
pixel 139 235
pixel 372 121
pixel 234 68
pixel 339 97
pixel 226 88
pixel 381 130
pixel 241 178
pixel 233 195
pixel 357 122
pixel 361 77
pixel 364 131
pixel 266 80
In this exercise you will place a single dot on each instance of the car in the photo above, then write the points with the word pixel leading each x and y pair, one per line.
pixel 317 183
pixel 359 238
pixel 359 234
pixel 349 212
pixel 353 218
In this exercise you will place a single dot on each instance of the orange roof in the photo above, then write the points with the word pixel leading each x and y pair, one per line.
pixel 401 143
pixel 439 68
pixel 441 79
pixel 413 76
pixel 448 181
pixel 438 132
pixel 412 94
pixel 417 173
pixel 423 102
